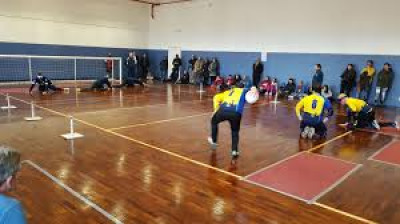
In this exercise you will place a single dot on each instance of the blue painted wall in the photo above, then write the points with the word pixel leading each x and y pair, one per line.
pixel 301 66
pixel 155 57
pixel 280 65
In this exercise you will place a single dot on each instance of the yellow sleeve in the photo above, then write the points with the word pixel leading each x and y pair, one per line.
pixel 299 106
pixel 218 99
pixel 373 72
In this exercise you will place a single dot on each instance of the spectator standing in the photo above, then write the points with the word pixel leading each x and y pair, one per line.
pixel 348 80
pixel 176 65
pixel 191 65
pixel 385 78
pixel 258 69
pixel 164 68
pixel 145 66
pixel 131 65
pixel 198 70
pixel 366 78
pixel 318 77
pixel 109 65
pixel 206 72
pixel 213 70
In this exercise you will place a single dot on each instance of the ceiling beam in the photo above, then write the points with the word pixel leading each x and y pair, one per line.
pixel 160 3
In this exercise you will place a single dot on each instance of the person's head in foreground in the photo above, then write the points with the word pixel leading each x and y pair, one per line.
pixel 10 209
pixel 318 67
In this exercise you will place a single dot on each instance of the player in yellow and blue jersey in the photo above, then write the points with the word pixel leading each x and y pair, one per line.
pixel 228 106
pixel 362 115
pixel 313 112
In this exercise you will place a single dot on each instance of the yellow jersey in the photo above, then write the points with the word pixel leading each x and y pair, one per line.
pixel 230 100
pixel 355 105
pixel 369 70
pixel 313 105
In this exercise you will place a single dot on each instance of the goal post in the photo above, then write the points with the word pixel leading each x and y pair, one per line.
pixel 21 69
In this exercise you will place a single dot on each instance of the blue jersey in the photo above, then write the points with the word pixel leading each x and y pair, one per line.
pixel 41 81
pixel 231 100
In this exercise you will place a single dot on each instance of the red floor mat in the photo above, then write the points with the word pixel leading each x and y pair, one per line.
pixel 305 176
pixel 390 154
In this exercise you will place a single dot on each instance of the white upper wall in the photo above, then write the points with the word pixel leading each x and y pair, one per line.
pixel 104 23
pixel 318 26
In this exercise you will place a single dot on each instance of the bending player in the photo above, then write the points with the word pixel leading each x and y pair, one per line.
pixel 228 106
pixel 102 84
pixel 44 84
pixel 130 82
pixel 315 112
pixel 361 115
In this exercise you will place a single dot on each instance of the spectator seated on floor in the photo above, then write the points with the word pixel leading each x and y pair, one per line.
pixel 265 85
pixel 219 80
pixel 268 86
pixel 185 77
pixel 327 93
pixel 230 81
pixel 302 90
pixel 289 89
pixel 238 78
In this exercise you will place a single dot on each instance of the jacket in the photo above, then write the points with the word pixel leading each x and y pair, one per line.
pixel 385 79
pixel 349 77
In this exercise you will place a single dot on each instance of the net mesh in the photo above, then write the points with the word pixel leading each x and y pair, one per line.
pixel 22 69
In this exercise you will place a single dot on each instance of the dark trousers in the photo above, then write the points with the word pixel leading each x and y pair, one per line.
pixel 233 118
pixel 212 78
pixel 129 82
pixel 314 122
pixel 345 88
pixel 365 118
pixel 46 88
pixel 175 74
pixel 256 79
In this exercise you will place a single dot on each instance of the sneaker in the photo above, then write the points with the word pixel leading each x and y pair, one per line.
pixel 311 133
pixel 304 134
pixel 212 143
pixel 396 125
pixel 235 154
pixel 376 125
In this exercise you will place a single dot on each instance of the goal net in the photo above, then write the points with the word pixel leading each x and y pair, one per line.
pixel 21 69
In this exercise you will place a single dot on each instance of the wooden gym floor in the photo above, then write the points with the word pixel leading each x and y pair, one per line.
pixel 145 159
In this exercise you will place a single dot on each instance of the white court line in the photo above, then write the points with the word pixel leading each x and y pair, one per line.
pixel 383 148
pixel 161 121
pixel 274 164
pixel 334 158
pixel 385 162
pixel 175 119
pixel 141 107
pixel 73 192
pixel 277 191
pixel 337 183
